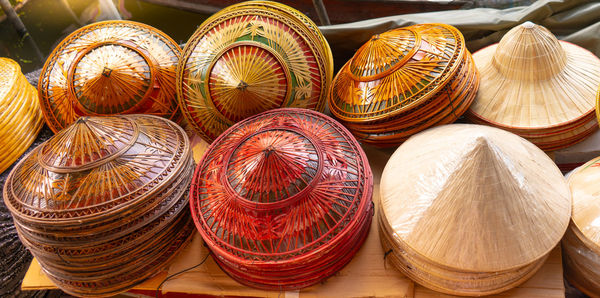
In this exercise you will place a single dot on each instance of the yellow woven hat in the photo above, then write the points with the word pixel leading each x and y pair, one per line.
pixel 20 116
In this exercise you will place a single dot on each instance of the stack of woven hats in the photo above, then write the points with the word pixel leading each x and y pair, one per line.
pixel 249 58
pixel 471 210
pixel 403 81
pixel 20 117
pixel 102 204
pixel 537 87
pixel 107 68
pixel 581 245
pixel 283 199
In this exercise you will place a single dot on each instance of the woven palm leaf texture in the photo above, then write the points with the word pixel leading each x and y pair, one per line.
pixel 102 205
pixel 471 210
pixel 403 81
pixel 283 199
pixel 249 58
pixel 537 87
pixel 109 68
pixel 20 116
pixel 581 244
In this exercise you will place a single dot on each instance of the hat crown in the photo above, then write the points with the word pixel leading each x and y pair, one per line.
pixel 529 52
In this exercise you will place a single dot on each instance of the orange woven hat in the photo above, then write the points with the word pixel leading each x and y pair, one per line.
pixel 107 68
pixel 403 81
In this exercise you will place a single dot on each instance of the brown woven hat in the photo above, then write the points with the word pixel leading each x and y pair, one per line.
pixel 534 85
pixel 108 68
pixel 102 204
pixel 471 209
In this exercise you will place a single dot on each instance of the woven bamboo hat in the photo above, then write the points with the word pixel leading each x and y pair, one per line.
pixel 108 68
pixel 471 210
pixel 249 58
pixel 21 119
pixel 101 204
pixel 581 245
pixel 403 81
pixel 283 199
pixel 533 84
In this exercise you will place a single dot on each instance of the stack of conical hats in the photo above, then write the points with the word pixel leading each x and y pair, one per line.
pixel 109 68
pixel 403 81
pixel 102 204
pixel 249 58
pixel 20 118
pixel 471 210
pixel 581 244
pixel 283 199
pixel 538 87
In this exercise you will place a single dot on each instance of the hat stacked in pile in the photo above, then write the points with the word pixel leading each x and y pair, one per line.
pixel 537 87
pixel 102 204
pixel 249 58
pixel 108 68
pixel 403 81
pixel 283 199
pixel 581 244
pixel 20 118
pixel 471 210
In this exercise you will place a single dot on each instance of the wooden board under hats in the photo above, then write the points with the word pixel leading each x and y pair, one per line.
pixel 366 275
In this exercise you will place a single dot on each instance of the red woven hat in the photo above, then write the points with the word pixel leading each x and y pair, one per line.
pixel 283 199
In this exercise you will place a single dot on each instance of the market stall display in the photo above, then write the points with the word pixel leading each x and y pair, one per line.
pixel 109 68
pixel 403 81
pixel 249 58
pixel 102 205
pixel 471 210
pixel 283 199
pixel 537 87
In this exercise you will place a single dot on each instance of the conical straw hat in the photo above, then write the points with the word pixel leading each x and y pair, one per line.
pixel 586 201
pixel 532 80
pixel 474 198
pixel 581 244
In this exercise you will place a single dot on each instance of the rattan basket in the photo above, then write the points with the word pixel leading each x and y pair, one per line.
pixel 283 199
pixel 249 58
pixel 403 81
pixel 109 68
pixel 537 87
pixel 471 210
pixel 20 116
pixel 103 204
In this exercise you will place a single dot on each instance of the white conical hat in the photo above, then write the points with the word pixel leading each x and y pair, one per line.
pixel 532 80
pixel 475 198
